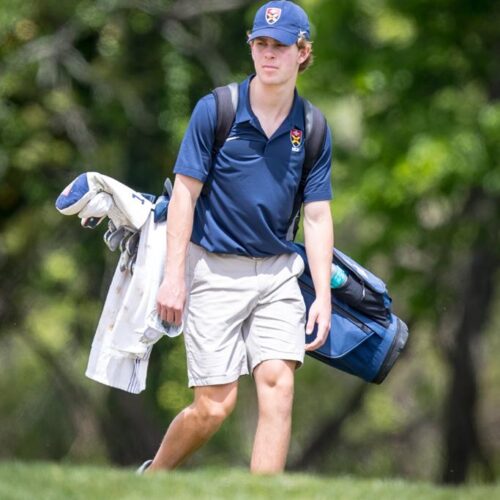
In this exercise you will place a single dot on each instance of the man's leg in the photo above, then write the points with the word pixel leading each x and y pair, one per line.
pixel 274 381
pixel 194 426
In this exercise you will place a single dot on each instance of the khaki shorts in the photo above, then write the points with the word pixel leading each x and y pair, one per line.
pixel 239 312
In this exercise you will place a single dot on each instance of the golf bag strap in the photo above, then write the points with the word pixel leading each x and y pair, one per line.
pixel 315 131
pixel 315 136
pixel 226 104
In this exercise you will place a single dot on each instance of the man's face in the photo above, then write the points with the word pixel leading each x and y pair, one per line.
pixel 274 62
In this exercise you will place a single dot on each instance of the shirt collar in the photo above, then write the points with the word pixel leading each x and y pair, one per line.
pixel 244 113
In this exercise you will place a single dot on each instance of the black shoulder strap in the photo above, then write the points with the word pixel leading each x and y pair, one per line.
pixel 315 131
pixel 315 136
pixel 226 104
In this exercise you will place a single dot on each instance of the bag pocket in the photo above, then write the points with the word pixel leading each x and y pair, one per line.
pixel 363 299
pixel 354 332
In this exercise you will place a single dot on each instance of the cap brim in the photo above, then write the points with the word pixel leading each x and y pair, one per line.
pixel 284 37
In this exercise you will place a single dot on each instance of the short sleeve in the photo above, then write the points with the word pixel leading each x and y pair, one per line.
pixel 318 185
pixel 195 154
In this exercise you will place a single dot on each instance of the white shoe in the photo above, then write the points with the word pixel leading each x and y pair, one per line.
pixel 140 471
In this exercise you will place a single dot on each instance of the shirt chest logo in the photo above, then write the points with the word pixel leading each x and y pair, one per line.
pixel 296 139
pixel 272 14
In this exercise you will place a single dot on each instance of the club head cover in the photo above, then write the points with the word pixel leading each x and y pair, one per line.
pixel 75 196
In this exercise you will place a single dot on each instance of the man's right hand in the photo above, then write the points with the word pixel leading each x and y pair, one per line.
pixel 171 296
pixel 171 299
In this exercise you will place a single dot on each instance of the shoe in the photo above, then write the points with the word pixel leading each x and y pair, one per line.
pixel 140 471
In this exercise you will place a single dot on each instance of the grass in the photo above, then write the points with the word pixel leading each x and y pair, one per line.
pixel 53 481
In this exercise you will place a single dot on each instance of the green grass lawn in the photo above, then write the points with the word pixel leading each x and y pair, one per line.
pixel 54 481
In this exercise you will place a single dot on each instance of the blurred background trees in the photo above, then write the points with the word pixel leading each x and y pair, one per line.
pixel 411 90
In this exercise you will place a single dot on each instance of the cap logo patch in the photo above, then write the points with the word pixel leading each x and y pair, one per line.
pixel 272 14
pixel 296 139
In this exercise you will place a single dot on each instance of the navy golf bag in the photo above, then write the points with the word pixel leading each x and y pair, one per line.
pixel 365 338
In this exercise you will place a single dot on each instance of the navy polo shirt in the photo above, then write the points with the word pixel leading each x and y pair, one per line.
pixel 253 180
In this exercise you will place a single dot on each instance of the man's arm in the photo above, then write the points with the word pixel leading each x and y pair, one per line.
pixel 171 296
pixel 318 235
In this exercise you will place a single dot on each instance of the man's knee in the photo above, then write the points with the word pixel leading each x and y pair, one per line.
pixel 275 386
pixel 212 406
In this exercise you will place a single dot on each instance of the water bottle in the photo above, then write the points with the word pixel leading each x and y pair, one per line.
pixel 338 277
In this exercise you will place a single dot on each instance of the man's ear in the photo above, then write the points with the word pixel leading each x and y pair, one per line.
pixel 304 53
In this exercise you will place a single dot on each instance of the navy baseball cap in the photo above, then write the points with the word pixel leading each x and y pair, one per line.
pixel 282 20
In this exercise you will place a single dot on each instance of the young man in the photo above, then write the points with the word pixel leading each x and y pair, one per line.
pixel 230 272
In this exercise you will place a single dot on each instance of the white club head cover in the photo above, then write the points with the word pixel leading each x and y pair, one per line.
pixel 129 208
pixel 98 206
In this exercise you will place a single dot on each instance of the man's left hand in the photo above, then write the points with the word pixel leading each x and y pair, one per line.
pixel 320 313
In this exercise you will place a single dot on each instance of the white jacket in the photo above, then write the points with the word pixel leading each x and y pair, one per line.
pixel 129 325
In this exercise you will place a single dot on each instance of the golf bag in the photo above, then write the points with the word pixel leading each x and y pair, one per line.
pixel 365 338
